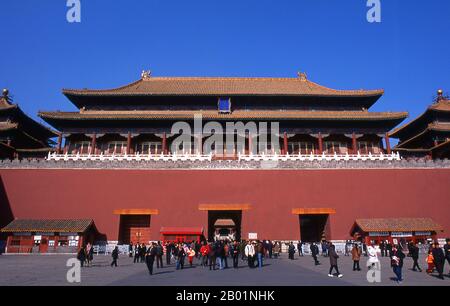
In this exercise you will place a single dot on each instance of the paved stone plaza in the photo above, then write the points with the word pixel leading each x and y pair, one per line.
pixel 52 270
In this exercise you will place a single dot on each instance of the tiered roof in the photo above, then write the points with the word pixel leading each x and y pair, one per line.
pixel 25 134
pixel 416 136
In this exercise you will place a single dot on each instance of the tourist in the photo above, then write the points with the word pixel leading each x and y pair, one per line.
pixel 218 254
pixel 447 251
pixel 414 253
pixel 242 246
pixel 388 249
pixel 324 248
pixel 250 253
pixel 150 257
pixel 180 255
pixel 259 250
pixel 397 262
pixel 81 256
pixel 204 251
pixel 314 252
pixel 191 254
pixel 364 249
pixel 270 248
pixel 333 260
pixel 169 249
pixel 212 256
pixel 347 247
pixel 382 248
pixel 356 257
pixel 291 251
pixel 159 255
pixel 300 248
pixel 276 249
pixel 90 255
pixel 235 248
pixel 225 253
pixel 430 261
pixel 130 250
pixel 137 251
pixel 115 256
pixel 143 252
pixel 373 257
pixel 439 259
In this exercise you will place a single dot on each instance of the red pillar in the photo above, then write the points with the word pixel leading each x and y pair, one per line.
pixel 58 146
pixel 164 144
pixel 320 144
pixel 129 143
pixel 93 143
pixel 285 143
pixel 388 145
pixel 354 144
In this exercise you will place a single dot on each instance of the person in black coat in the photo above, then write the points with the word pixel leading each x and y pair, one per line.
pixel 150 257
pixel 159 255
pixel 314 252
pixel 81 256
pixel 439 259
pixel 137 251
pixel 212 256
pixel 414 252
pixel 447 251
pixel 130 250
pixel 291 250
pixel 143 252
pixel 382 248
pixel 333 260
pixel 388 250
pixel 397 257
pixel 115 256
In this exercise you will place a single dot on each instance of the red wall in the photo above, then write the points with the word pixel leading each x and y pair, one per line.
pixel 272 194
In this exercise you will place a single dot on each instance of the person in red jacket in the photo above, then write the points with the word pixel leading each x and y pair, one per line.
pixel 204 251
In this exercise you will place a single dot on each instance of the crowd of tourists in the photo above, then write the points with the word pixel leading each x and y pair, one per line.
pixel 219 255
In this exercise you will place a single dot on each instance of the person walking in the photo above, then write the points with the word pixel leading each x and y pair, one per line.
pixel 191 255
pixel 169 250
pixel 235 254
pixel 250 253
pixel 382 248
pixel 430 261
pixel 314 252
pixel 276 249
pixel 356 257
pixel 439 259
pixel 242 246
pixel 225 253
pixel 447 252
pixel 151 253
pixel 143 252
pixel 259 250
pixel 414 252
pixel 388 249
pixel 300 248
pixel 130 250
pixel 218 254
pixel 204 251
pixel 212 256
pixel 159 255
pixel 81 256
pixel 115 256
pixel 333 260
pixel 181 254
pixel 397 257
pixel 137 251
pixel 291 251
pixel 270 248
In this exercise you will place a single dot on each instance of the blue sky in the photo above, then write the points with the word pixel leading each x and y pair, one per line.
pixel 407 54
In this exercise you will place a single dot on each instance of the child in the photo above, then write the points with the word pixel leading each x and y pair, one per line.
pixel 430 261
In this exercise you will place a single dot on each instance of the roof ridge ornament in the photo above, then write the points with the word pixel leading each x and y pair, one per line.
pixel 5 96
pixel 146 74
pixel 302 76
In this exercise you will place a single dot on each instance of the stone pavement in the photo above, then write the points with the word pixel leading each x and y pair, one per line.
pixel 51 270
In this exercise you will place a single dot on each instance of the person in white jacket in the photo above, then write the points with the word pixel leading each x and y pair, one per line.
pixel 250 253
